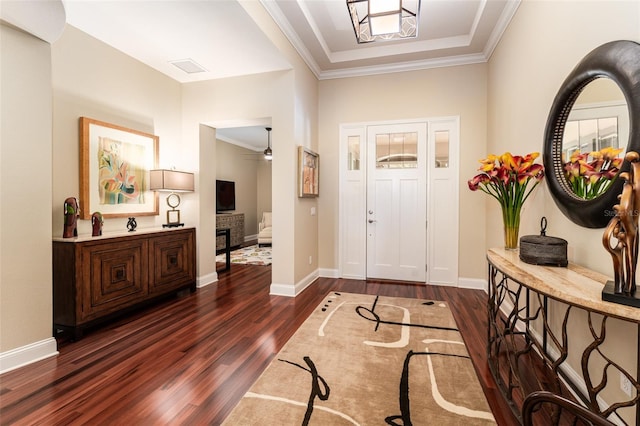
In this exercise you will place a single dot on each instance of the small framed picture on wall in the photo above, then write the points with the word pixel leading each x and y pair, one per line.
pixel 308 173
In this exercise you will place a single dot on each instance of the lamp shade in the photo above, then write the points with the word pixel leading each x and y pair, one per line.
pixel 170 180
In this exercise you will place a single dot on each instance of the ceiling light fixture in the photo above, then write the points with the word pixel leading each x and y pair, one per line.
pixel 384 19
pixel 268 154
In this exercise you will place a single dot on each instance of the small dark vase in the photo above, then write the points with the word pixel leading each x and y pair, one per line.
pixel 131 224
pixel 96 224
pixel 71 213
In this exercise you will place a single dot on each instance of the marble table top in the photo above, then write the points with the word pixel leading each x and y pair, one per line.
pixel 574 285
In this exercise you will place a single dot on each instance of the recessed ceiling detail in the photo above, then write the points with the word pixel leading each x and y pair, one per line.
pixel 450 33
pixel 228 43
pixel 384 20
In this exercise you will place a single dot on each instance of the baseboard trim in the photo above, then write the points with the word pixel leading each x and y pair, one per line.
pixel 472 283
pixel 206 280
pixel 28 354
pixel 248 238
pixel 290 290
pixel 329 273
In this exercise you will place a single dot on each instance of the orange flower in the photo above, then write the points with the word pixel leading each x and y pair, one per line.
pixel 506 178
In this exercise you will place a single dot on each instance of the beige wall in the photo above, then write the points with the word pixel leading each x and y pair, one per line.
pixel 25 185
pixel 306 134
pixel 543 43
pixel 265 188
pixel 525 74
pixel 454 91
pixel 92 79
pixel 240 165
pixel 289 99
pixel 270 95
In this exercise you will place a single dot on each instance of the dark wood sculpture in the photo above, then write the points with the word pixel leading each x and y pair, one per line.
pixel 71 213
pixel 620 238
pixel 96 224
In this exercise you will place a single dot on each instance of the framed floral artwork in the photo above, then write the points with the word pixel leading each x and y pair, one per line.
pixel 308 173
pixel 114 170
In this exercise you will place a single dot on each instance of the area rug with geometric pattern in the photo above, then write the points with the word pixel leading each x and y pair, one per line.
pixel 252 255
pixel 369 360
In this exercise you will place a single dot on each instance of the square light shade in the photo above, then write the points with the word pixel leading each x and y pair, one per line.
pixel 385 16
pixel 379 20
pixel 170 180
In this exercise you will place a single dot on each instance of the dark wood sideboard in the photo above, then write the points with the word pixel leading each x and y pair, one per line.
pixel 96 278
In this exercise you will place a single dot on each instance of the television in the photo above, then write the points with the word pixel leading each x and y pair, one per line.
pixel 225 196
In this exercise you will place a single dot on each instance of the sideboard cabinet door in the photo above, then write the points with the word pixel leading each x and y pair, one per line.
pixel 116 274
pixel 171 262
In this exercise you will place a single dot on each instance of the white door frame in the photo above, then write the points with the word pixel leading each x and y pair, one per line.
pixel 442 203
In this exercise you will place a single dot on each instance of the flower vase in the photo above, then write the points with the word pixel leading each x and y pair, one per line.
pixel 511 222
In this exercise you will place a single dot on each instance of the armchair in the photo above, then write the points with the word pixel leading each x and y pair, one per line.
pixel 264 229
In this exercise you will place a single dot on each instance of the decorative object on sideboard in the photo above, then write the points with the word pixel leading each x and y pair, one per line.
pixel 620 238
pixel 172 181
pixel 506 178
pixel 96 224
pixel 543 249
pixel 114 170
pixel 618 64
pixel 132 224
pixel 268 152
pixel 71 213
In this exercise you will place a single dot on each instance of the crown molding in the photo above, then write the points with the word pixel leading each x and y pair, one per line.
pixel 404 67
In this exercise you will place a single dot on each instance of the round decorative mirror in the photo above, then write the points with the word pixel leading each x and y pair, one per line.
pixel 594 120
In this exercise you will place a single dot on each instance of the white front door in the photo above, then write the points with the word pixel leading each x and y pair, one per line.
pixel 396 213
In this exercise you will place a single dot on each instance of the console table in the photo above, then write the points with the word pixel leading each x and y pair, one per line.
pixel 524 330
pixel 226 233
pixel 95 278
pixel 233 221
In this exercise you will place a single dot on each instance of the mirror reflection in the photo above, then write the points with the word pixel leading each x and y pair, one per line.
pixel 595 138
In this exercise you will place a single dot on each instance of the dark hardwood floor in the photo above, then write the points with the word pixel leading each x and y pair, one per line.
pixel 188 360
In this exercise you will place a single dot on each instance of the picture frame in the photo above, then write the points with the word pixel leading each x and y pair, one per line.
pixel 308 173
pixel 114 170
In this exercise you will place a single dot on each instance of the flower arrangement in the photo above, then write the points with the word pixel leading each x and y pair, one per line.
pixel 591 174
pixel 507 178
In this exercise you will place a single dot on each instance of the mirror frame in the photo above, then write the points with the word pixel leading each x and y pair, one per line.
pixel 619 61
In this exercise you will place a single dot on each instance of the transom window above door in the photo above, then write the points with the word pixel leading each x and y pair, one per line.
pixel 397 150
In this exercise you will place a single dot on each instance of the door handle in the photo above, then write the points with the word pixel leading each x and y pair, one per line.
pixel 371 220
